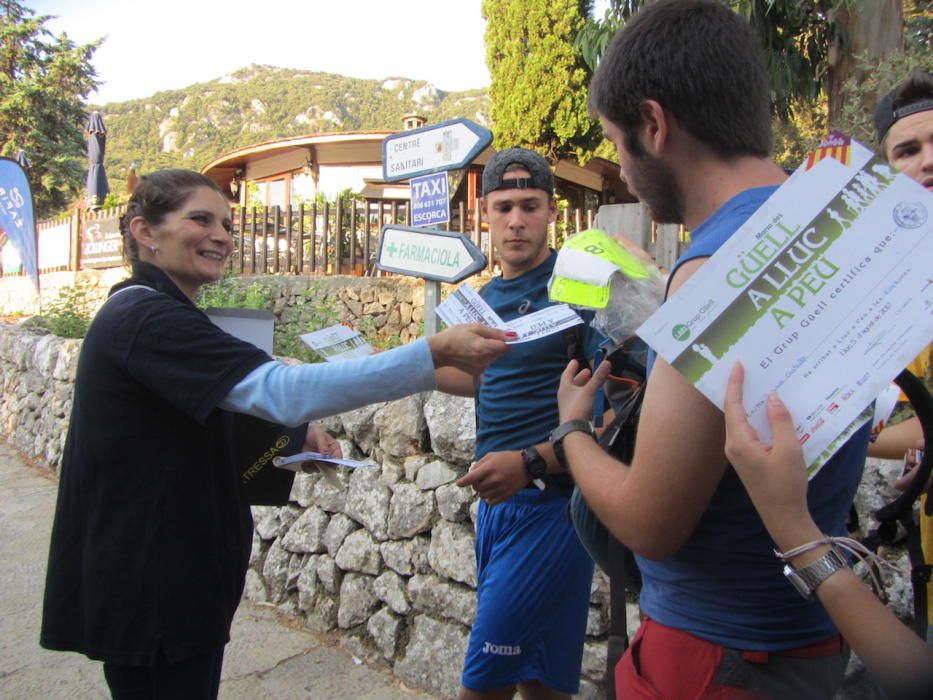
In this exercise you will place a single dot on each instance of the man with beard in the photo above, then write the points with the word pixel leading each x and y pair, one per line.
pixel 683 95
pixel 533 575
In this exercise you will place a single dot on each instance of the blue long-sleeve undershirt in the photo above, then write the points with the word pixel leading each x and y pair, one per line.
pixel 292 395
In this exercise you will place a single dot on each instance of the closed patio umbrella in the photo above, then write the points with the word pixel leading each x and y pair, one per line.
pixel 97 186
pixel 132 179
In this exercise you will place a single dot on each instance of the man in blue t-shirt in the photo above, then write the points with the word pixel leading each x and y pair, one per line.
pixel 683 94
pixel 533 575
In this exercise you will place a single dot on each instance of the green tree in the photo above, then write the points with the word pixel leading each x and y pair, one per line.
pixel 810 45
pixel 43 80
pixel 538 88
pixel 829 60
pixel 879 78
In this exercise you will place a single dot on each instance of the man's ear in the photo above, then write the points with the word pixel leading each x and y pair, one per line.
pixel 655 126
pixel 482 206
pixel 552 209
pixel 142 231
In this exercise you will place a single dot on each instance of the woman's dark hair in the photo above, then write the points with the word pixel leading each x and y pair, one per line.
pixel 702 63
pixel 157 195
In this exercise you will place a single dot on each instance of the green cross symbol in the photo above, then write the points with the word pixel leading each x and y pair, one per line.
pixel 392 248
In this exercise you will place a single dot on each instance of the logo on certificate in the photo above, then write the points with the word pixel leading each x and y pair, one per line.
pixel 910 215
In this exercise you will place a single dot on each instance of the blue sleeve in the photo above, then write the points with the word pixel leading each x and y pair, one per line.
pixel 291 395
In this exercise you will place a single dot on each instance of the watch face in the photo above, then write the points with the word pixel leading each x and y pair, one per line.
pixel 801 586
pixel 535 463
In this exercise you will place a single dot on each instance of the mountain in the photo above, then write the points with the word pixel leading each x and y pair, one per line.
pixel 190 127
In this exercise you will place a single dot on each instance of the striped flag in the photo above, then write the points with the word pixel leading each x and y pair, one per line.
pixel 837 145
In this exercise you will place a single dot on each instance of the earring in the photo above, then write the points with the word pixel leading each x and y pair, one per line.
pixel 152 248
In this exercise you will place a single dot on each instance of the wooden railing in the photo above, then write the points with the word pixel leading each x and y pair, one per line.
pixel 342 238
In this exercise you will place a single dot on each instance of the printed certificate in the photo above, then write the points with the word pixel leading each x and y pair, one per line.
pixel 825 294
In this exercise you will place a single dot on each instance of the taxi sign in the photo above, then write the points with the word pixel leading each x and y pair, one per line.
pixel 442 256
pixel 430 200
pixel 445 146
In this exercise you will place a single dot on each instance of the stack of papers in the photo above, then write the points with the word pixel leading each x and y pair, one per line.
pixel 321 462
pixel 465 305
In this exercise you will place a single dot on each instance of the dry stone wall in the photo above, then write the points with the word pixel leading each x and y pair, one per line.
pixel 384 308
pixel 387 561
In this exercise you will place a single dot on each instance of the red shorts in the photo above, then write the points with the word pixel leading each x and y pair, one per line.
pixel 670 664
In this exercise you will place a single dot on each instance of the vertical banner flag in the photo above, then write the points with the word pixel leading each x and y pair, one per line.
pixel 16 215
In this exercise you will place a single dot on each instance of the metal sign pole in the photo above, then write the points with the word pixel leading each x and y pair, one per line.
pixel 432 297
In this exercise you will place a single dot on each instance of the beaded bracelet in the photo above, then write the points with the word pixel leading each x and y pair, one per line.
pixel 853 547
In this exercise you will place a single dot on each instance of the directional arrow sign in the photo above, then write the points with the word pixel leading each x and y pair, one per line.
pixel 430 149
pixel 442 256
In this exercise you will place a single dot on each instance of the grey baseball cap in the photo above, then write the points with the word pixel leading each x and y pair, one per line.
pixel 541 176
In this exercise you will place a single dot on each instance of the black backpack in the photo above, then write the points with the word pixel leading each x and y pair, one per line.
pixel 901 510
pixel 625 391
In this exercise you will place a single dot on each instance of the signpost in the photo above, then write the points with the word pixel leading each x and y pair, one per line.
pixel 441 256
pixel 430 149
pixel 435 256
pixel 424 156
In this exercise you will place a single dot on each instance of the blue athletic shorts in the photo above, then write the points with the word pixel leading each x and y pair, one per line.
pixel 533 594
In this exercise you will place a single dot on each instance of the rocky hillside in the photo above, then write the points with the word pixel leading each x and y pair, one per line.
pixel 189 127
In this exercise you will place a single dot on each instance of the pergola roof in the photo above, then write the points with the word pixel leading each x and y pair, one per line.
pixel 341 148
pixel 365 148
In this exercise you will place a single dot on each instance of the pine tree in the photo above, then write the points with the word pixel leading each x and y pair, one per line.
pixel 43 80
pixel 538 88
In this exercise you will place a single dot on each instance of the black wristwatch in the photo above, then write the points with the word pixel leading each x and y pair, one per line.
pixel 562 431
pixel 534 463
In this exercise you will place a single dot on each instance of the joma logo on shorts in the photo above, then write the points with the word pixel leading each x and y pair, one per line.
pixel 502 649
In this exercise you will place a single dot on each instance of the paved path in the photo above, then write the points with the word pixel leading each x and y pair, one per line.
pixel 267 659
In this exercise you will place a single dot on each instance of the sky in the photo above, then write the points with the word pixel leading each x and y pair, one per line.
pixel 170 44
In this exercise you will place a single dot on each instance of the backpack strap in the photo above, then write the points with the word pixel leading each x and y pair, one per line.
pixel 922 403
pixel 920 574
pixel 901 509
pixel 618 620
pixel 576 345
pixel 619 440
